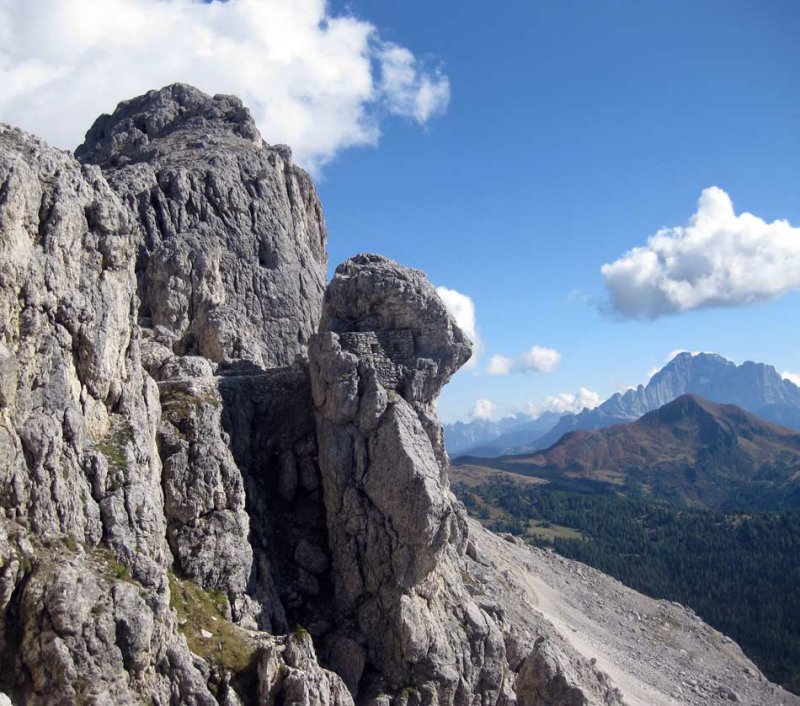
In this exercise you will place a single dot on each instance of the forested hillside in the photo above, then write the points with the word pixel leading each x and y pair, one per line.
pixel 739 572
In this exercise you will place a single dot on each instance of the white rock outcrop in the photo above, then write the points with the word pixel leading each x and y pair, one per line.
pixel 203 449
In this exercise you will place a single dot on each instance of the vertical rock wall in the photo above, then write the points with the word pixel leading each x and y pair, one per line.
pixel 230 260
pixel 233 252
pixel 397 534
pixel 80 478
pixel 182 243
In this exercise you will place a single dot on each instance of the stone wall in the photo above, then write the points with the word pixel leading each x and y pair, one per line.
pixel 389 352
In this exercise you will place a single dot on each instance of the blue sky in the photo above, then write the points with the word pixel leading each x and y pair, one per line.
pixel 510 151
pixel 574 131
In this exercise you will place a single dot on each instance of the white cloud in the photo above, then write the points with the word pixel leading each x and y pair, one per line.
pixel 717 259
pixel 791 377
pixel 499 365
pixel 565 402
pixel 463 310
pixel 483 409
pixel 407 92
pixel 537 360
pixel 315 81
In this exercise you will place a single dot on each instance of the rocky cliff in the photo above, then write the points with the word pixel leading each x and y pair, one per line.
pixel 222 482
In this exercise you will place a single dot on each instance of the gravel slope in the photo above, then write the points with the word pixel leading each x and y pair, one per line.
pixel 655 652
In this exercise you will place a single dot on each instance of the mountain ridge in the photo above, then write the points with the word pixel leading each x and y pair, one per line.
pixel 690 450
pixel 756 387
pixel 483 436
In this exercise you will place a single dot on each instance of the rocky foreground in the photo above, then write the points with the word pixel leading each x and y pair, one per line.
pixel 223 483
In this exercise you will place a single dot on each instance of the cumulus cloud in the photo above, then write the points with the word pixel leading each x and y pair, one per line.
pixel 499 365
pixel 407 92
pixel 316 81
pixel 483 409
pixel 537 360
pixel 463 310
pixel 791 377
pixel 565 402
pixel 717 259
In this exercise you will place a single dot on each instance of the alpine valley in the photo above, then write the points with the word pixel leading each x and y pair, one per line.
pixel 696 502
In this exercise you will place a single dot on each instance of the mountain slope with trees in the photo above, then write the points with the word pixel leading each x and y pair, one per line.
pixel 755 387
pixel 690 451
pixel 739 572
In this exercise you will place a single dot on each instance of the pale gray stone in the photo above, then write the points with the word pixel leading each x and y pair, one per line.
pixel 288 673
pixel 204 497
pixel 176 396
pixel 8 377
pixel 233 254
pixel 395 530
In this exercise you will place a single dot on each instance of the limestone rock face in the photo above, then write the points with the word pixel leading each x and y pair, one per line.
pixel 204 498
pixel 230 263
pixel 269 419
pixel 375 375
pixel 288 673
pixel 88 636
pixel 233 255
pixel 199 455
pixel 76 443
pixel 114 464
pixel 396 532
pixel 372 294
pixel 78 460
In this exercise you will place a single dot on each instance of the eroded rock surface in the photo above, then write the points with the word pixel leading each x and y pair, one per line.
pixel 114 464
pixel 232 261
pixel 78 460
pixel 204 497
pixel 198 457
pixel 398 536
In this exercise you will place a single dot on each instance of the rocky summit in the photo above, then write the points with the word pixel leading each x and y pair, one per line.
pixel 223 482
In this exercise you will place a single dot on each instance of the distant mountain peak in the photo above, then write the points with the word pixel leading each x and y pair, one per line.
pixel 696 408
pixel 755 387
pixel 690 450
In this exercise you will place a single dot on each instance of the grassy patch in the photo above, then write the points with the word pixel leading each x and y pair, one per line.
pixel 120 571
pixel 113 569
pixel 114 445
pixel 549 532
pixel 81 687
pixel 184 404
pixel 410 695
pixel 301 632
pixel 70 542
pixel 219 598
pixel 201 618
